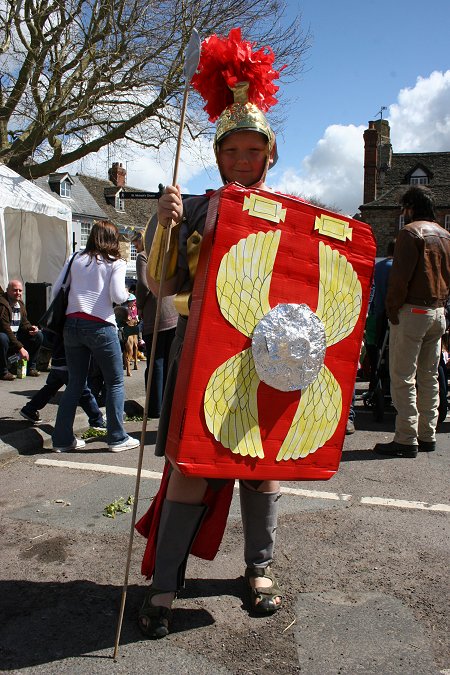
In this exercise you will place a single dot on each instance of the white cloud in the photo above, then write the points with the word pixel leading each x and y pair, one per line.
pixel 420 121
pixel 333 172
pixel 147 171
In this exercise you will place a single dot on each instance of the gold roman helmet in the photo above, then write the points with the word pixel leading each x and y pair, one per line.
pixel 244 116
pixel 237 83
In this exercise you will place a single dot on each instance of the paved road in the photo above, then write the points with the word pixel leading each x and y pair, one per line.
pixel 362 559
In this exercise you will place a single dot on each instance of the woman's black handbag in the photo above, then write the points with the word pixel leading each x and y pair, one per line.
pixel 54 318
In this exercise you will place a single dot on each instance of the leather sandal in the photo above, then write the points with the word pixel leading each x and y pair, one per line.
pixel 262 600
pixel 154 620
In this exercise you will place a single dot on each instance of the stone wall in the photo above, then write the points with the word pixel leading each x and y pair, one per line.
pixel 384 223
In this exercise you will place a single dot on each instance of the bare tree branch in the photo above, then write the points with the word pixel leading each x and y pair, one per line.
pixel 77 75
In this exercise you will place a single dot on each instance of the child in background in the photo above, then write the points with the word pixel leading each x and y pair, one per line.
pixel 133 315
pixel 132 307
pixel 57 378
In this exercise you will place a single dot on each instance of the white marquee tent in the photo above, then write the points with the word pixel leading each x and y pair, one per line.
pixel 35 231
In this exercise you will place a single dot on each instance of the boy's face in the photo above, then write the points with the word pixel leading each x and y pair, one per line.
pixel 242 157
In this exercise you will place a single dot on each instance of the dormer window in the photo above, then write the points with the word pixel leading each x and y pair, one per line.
pixel 61 184
pixel 119 202
pixel 418 177
pixel 65 188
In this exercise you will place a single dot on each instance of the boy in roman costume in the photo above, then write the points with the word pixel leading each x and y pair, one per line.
pixel 189 513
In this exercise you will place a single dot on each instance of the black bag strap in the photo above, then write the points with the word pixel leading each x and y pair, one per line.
pixel 68 269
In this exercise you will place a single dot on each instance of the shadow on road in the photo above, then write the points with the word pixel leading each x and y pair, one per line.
pixel 46 622
pixel 202 588
pixel 29 393
pixel 360 456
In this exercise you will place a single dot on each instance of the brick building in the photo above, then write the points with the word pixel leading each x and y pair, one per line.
pixel 387 175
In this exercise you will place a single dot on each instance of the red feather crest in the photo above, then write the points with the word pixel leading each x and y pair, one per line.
pixel 224 62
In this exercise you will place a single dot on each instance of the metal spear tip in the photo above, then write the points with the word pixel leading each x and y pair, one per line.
pixel 192 56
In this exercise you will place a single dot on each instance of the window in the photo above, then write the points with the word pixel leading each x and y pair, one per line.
pixel 120 202
pixel 64 188
pixel 447 221
pixel 401 222
pixel 85 230
pixel 418 177
pixel 133 252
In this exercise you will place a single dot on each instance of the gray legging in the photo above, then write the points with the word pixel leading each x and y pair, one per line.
pixel 180 522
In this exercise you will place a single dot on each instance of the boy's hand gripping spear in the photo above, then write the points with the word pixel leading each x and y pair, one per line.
pixel 192 56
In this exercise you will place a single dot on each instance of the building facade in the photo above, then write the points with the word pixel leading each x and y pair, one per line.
pixel 100 199
pixel 387 175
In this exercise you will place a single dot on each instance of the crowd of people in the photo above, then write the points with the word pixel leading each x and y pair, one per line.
pixel 409 315
pixel 87 358
pixel 89 344
pixel 411 291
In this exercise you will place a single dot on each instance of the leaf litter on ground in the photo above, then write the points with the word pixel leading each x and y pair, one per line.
pixel 119 505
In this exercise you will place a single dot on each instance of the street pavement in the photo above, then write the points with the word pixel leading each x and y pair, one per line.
pixel 364 557
pixel 19 435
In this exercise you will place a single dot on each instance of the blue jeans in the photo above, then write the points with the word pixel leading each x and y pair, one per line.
pixel 352 412
pixel 56 379
pixel 81 339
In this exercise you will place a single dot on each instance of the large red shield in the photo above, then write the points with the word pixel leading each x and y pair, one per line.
pixel 266 255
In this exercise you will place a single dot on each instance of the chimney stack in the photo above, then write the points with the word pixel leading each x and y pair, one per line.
pixel 377 158
pixel 117 174
pixel 370 163
pixel 384 147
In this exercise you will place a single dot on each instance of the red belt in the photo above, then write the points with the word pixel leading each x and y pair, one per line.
pixel 417 310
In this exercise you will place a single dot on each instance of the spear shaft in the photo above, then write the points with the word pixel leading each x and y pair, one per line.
pixel 190 66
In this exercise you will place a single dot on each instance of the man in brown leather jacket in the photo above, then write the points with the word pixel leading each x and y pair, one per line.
pixel 419 286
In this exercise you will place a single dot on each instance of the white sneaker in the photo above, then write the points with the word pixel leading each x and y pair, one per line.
pixel 129 444
pixel 77 444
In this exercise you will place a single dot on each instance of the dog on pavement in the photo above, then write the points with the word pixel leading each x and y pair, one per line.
pixel 128 336
pixel 130 346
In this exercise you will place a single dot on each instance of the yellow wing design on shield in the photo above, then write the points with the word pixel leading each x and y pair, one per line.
pixel 340 294
pixel 316 418
pixel 320 407
pixel 231 406
pixel 243 280
pixel 243 285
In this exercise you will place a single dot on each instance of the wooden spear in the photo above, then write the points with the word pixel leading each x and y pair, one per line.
pixel 192 56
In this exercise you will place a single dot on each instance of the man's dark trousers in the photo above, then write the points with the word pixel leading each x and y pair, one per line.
pixel 31 343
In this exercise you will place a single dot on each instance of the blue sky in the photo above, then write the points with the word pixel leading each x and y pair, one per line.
pixel 364 55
